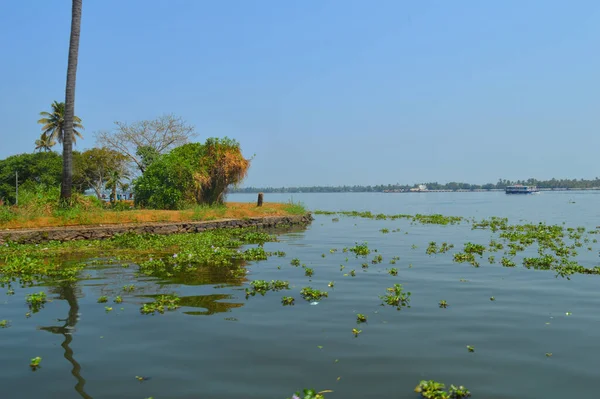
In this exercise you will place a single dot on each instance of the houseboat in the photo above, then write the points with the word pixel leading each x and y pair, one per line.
pixel 519 189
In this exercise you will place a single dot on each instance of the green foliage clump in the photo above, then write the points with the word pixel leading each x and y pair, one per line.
pixel 38 169
pixel 435 390
pixel 261 287
pixel 396 296
pixel 311 294
pixel 36 301
pixel 160 304
pixel 191 174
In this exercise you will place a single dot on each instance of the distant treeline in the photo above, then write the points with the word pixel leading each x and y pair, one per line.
pixel 501 184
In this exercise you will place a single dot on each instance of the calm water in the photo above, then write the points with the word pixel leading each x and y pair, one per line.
pixel 220 345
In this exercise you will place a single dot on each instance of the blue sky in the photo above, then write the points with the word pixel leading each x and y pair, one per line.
pixel 327 92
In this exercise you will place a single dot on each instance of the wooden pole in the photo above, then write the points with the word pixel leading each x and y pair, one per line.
pixel 260 199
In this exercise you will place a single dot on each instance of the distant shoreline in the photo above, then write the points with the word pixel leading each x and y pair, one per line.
pixel 401 191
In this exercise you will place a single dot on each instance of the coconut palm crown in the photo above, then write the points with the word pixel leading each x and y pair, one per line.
pixel 44 143
pixel 53 123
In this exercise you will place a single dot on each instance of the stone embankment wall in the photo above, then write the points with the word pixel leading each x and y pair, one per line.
pixel 71 233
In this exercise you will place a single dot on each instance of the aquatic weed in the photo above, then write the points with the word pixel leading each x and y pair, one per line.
pixel 397 297
pixel 160 304
pixel 310 294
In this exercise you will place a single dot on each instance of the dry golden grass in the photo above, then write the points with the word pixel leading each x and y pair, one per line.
pixel 233 210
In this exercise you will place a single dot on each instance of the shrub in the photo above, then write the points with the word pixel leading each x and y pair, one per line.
pixel 191 174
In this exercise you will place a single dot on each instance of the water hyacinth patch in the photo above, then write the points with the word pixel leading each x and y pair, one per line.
pixel 397 297
pixel 435 390
pixel 160 304
pixel 287 301
pixel 35 363
pixel 310 294
pixel 261 287
pixel 36 301
pixel 309 394
pixel 360 249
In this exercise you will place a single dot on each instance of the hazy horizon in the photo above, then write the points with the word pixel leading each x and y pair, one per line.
pixel 327 93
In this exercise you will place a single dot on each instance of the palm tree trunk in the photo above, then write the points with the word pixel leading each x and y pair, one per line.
pixel 67 175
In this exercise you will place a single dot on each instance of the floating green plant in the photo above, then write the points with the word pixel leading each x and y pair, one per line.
pixel 129 288
pixel 308 272
pixel 393 271
pixel 397 297
pixel 118 299
pixel 160 304
pixel 360 249
pixel 356 331
pixel 433 248
pixel 353 273
pixel 436 390
pixel 309 394
pixel 287 301
pixel 35 363
pixel 262 286
pixel 108 309
pixel 384 231
pixel 470 348
pixel 36 301
pixel 377 259
pixel 361 318
pixel 4 324
pixel 310 294
pixel 443 304
pixel 331 284
pixel 295 262
pixel 103 299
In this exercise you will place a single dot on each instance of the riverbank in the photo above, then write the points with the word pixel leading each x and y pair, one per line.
pixel 32 217
pixel 96 232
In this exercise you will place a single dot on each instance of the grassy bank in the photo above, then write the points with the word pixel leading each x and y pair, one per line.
pixel 37 210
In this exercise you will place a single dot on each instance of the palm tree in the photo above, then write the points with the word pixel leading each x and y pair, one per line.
pixel 116 178
pixel 69 119
pixel 54 123
pixel 44 143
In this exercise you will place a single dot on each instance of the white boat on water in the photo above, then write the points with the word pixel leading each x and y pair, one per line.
pixel 520 189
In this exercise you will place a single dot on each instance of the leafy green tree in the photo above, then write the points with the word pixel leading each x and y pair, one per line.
pixel 191 174
pixel 53 125
pixel 147 155
pixel 98 168
pixel 42 169
pixel 44 143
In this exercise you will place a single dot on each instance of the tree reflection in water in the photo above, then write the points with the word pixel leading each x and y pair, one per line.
pixel 66 291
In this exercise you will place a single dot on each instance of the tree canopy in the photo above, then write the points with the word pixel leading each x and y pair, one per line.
pixel 53 125
pixel 97 167
pixel 192 174
pixel 141 141
pixel 35 169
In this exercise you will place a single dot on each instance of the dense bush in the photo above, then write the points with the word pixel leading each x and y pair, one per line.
pixel 36 169
pixel 191 174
